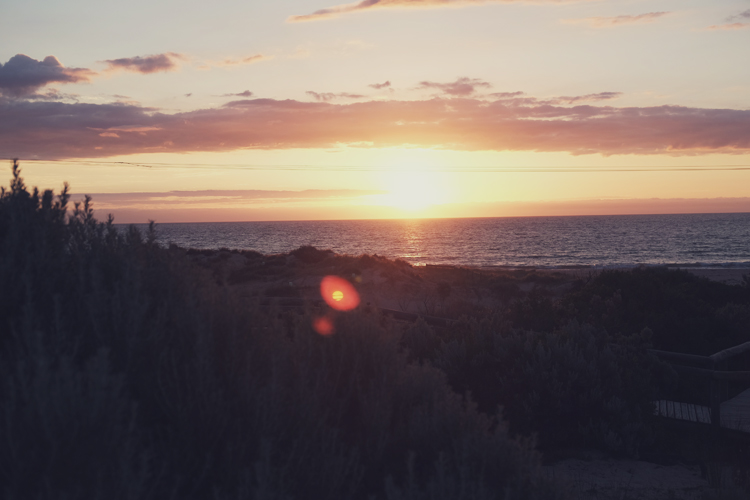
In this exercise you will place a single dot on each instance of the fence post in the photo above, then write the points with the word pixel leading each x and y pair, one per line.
pixel 717 396
pixel 716 404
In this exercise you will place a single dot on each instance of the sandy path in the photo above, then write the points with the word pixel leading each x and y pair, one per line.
pixel 616 479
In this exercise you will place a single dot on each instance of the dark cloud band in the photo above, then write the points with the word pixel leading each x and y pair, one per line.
pixel 513 123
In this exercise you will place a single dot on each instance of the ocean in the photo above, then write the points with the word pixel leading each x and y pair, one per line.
pixel 611 241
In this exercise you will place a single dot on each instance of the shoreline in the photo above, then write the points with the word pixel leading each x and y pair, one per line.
pixel 726 275
pixel 730 274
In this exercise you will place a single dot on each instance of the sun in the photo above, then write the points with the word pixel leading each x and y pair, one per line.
pixel 412 191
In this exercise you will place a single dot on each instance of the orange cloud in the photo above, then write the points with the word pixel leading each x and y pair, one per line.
pixel 223 198
pixel 513 123
pixel 227 205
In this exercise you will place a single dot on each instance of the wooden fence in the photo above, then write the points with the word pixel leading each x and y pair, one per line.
pixel 722 412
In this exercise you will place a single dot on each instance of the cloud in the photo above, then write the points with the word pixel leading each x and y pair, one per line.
pixel 43 129
pixel 330 96
pixel 461 87
pixel 146 64
pixel 606 22
pixel 379 86
pixel 231 62
pixel 734 22
pixel 226 205
pixel 52 95
pixel 740 16
pixel 243 60
pixel 520 98
pixel 592 207
pixel 507 95
pixel 22 76
pixel 729 26
pixel 338 10
pixel 113 131
pixel 213 198
pixel 245 93
pixel 601 96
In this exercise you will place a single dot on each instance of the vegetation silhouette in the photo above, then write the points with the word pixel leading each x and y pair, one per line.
pixel 129 373
pixel 131 370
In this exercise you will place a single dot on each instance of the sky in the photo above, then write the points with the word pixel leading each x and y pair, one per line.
pixel 311 109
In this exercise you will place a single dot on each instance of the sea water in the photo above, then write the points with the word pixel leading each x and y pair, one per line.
pixel 708 240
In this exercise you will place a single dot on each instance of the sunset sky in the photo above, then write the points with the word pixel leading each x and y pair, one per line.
pixel 309 109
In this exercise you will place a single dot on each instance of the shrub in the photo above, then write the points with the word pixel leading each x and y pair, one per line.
pixel 575 386
pixel 683 311
pixel 311 255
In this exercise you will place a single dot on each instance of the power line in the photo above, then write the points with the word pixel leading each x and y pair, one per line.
pixel 383 168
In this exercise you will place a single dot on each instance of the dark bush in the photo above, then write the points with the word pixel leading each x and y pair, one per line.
pixel 311 255
pixel 685 312
pixel 443 290
pixel 573 387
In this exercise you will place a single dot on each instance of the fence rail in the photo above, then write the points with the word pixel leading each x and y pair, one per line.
pixel 731 413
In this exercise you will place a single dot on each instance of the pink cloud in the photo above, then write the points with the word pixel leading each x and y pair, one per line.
pixel 607 22
pixel 734 22
pixel 380 86
pixel 338 10
pixel 517 123
pixel 22 76
pixel 146 64
pixel 243 60
pixel 729 26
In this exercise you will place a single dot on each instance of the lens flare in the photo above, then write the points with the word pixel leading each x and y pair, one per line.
pixel 323 325
pixel 338 293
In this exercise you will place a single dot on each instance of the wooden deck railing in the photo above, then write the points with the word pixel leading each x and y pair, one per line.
pixel 712 368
